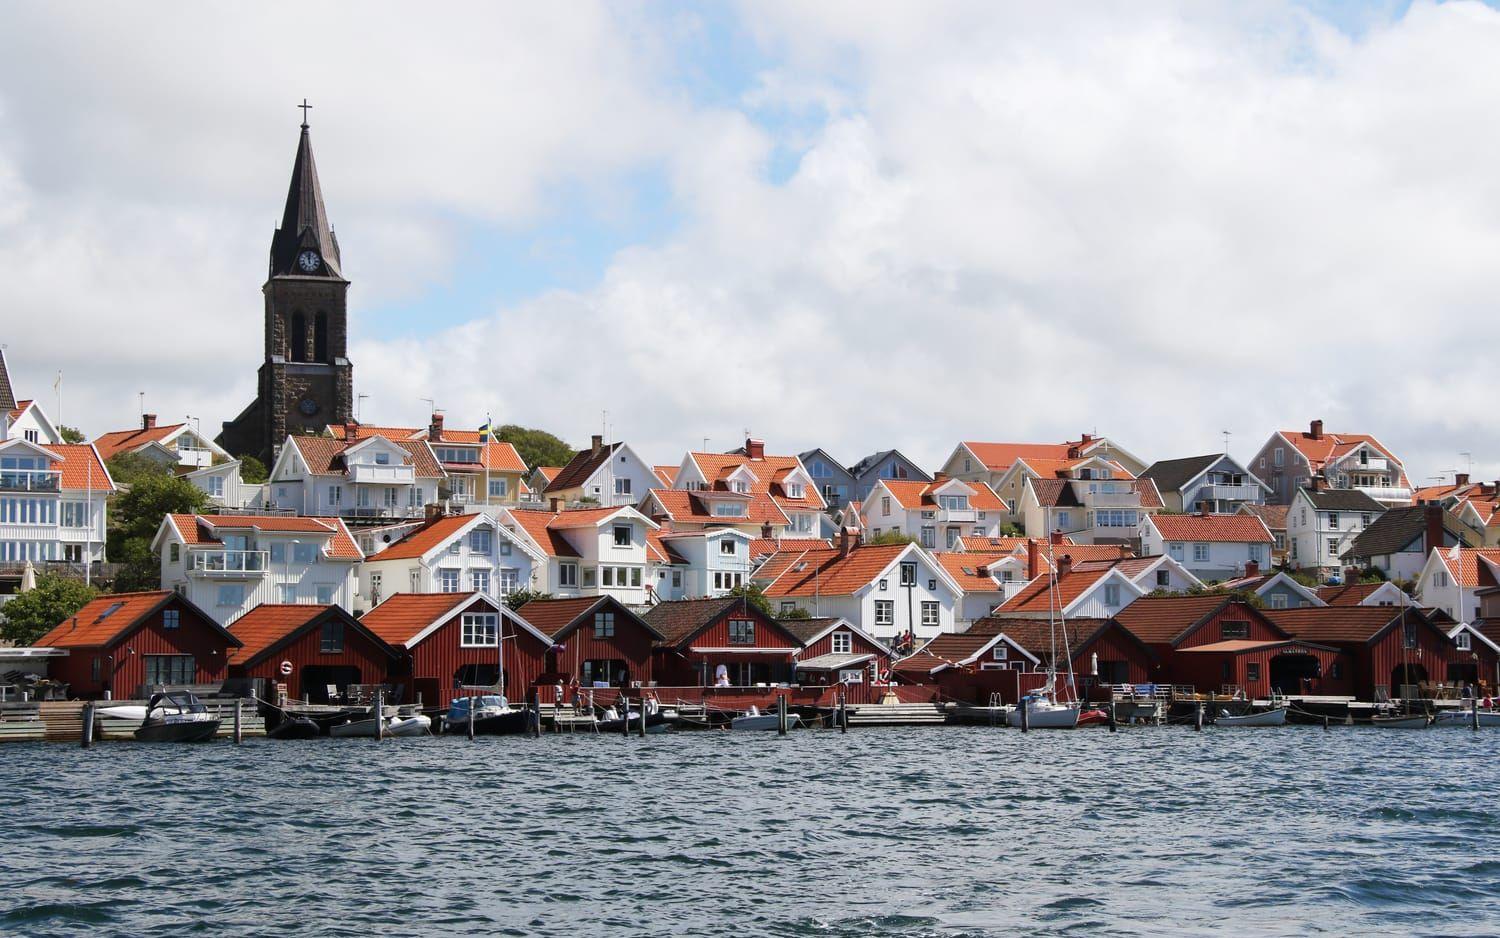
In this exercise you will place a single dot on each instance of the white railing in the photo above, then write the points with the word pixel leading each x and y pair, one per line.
pixel 1373 464
pixel 33 480
pixel 370 473
pixel 230 562
pixel 1225 493
pixel 1385 493
pixel 958 516
pixel 1125 499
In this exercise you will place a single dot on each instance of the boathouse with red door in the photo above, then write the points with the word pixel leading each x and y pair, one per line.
pixel 310 649
pixel 835 650
pixel 124 644
pixel 725 641
pixel 1385 647
pixel 596 641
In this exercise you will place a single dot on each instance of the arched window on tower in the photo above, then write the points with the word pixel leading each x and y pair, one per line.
pixel 298 337
pixel 320 337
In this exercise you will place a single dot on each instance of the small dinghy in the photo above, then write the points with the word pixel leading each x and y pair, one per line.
pixel 656 721
pixel 177 717
pixel 755 720
pixel 1275 717
pixel 353 729
pixel 415 725
pixel 294 727
pixel 1093 718
pixel 1412 721
pixel 1466 718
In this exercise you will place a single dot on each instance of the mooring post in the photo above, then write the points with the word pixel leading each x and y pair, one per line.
pixel 642 724
pixel 1325 722
pixel 379 714
pixel 1198 718
pixel 1474 713
pixel 239 732
pixel 1113 728
pixel 781 714
pixel 88 725
pixel 471 718
pixel 1025 716
pixel 844 712
pixel 625 714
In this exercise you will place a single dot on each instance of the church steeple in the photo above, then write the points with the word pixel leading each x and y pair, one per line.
pixel 304 223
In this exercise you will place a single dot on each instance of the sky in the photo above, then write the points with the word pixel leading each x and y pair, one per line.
pixel 850 225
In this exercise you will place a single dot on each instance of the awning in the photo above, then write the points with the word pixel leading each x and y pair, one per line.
pixel 742 650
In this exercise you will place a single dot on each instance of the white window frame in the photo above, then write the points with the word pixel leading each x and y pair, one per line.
pixel 841 643
pixel 479 630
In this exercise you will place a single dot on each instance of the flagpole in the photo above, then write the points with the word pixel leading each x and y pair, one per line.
pixel 88 541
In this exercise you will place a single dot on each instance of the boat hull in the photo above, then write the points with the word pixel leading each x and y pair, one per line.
pixel 197 731
pixel 295 728
pixel 418 725
pixel 354 729
pixel 1275 717
pixel 1045 718
pixel 655 723
pixel 1466 718
pixel 1418 722
pixel 515 723
pixel 763 721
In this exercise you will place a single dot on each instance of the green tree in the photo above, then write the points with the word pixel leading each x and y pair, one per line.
pixel 135 516
pixel 519 598
pixel 755 596
pixel 796 612
pixel 253 471
pixel 890 537
pixel 537 447
pixel 71 434
pixel 34 613
pixel 126 468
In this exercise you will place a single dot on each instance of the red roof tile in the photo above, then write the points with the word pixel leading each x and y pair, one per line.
pixel 102 619
pixel 768 470
pixel 202 529
pixel 1336 623
pixel 81 467
pixel 267 624
pixel 325 456
pixel 425 538
pixel 404 616
pixel 825 572
pixel 1163 619
pixel 1238 529
pixel 118 441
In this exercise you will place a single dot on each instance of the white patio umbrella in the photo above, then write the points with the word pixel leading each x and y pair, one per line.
pixel 28 578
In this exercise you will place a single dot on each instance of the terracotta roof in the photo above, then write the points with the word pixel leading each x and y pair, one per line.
pixel 998 457
pixel 768 471
pixel 1036 597
pixel 762 546
pixel 81 467
pixel 915 496
pixel 685 507
pixel 919 662
pixel 1351 594
pixel 1238 529
pixel 1331 445
pixel 1035 635
pixel 552 616
pixel 1235 645
pixel 102 619
pixel 325 456
pixel 956 647
pixel 425 538
pixel 1272 516
pixel 584 463
pixel 1467 567
pixel 965 567
pixel 824 572
pixel 118 441
pixel 1007 545
pixel 19 409
pixel 268 624
pixel 200 529
pixel 1166 619
pixel 403 616
pixel 549 472
pixel 1337 623
pixel 549 541
pixel 1061 493
pixel 660 550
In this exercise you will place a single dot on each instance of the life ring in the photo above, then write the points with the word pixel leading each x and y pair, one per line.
pixel 286 669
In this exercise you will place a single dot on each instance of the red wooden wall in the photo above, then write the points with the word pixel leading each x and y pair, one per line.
pixel 824 646
pixel 127 672
pixel 632 643
pixel 434 663
pixel 360 652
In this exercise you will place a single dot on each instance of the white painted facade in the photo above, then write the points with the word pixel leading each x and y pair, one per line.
pixel 716 561
pixel 924 600
pixel 1317 539
pixel 381 480
pixel 481 557
pixel 1209 561
pixel 225 487
pixel 41 517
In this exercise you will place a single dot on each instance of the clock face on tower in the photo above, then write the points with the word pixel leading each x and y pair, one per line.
pixel 309 261
pixel 308 406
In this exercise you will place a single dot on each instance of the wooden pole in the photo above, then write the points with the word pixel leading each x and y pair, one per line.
pixel 625 714
pixel 379 714
pixel 1113 725
pixel 642 724
pixel 471 718
pixel 87 736
pixel 1198 718
pixel 781 714
pixel 239 732
pixel 1474 712
pixel 844 712
pixel 1025 716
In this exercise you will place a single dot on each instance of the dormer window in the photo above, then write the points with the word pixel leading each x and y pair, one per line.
pixel 622 535
pixel 794 490
pixel 954 502
pixel 740 486
pixel 382 459
pixel 729 510
pixel 726 546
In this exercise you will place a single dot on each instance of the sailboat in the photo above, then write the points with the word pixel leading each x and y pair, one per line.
pixel 492 713
pixel 1406 720
pixel 1043 709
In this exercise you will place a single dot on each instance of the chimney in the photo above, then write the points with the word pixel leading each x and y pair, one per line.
pixel 1434 540
pixel 765 531
pixel 435 429
pixel 597 443
pixel 1320 483
pixel 1087 439
pixel 1074 452
pixel 1460 478
pixel 1315 430
pixel 556 502
pixel 1064 565
pixel 1055 537
pixel 351 431
pixel 1252 569
pixel 845 539
pixel 148 421
pixel 1203 509
pixel 755 449
pixel 1033 559
pixel 433 512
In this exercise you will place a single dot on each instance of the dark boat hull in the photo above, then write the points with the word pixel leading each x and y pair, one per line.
pixel 505 724
pixel 617 726
pixel 295 728
pixel 197 732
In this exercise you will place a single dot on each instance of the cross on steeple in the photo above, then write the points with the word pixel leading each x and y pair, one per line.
pixel 305 108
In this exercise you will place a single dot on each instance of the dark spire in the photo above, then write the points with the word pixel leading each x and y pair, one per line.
pixel 304 222
pixel 7 394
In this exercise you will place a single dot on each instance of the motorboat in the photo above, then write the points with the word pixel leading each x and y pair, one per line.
pixel 176 717
pixel 493 716
pixel 1466 718
pixel 753 719
pixel 415 725
pixel 295 727
pixel 1273 717
pixel 1095 717
pixel 1044 713
pixel 354 729
pixel 1406 721
pixel 656 721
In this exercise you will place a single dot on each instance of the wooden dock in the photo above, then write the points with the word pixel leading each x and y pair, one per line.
pixel 61 721
pixel 897 714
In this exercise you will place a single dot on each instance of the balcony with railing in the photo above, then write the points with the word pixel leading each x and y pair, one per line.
pixel 1392 494
pixel 31 480
pixel 381 511
pixel 957 516
pixel 1224 492
pixel 230 564
pixel 375 474
pixel 1352 463
pixel 1116 495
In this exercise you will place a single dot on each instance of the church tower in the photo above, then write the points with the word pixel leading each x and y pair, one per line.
pixel 306 382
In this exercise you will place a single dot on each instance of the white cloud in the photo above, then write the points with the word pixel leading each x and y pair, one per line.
pixel 1159 222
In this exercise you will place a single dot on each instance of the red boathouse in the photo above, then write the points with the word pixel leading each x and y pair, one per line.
pixel 598 641
pixel 724 641
pixel 1385 647
pixel 124 644
pixel 309 649
pixel 449 640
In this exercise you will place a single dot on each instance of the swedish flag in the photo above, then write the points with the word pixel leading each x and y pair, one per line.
pixel 486 432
